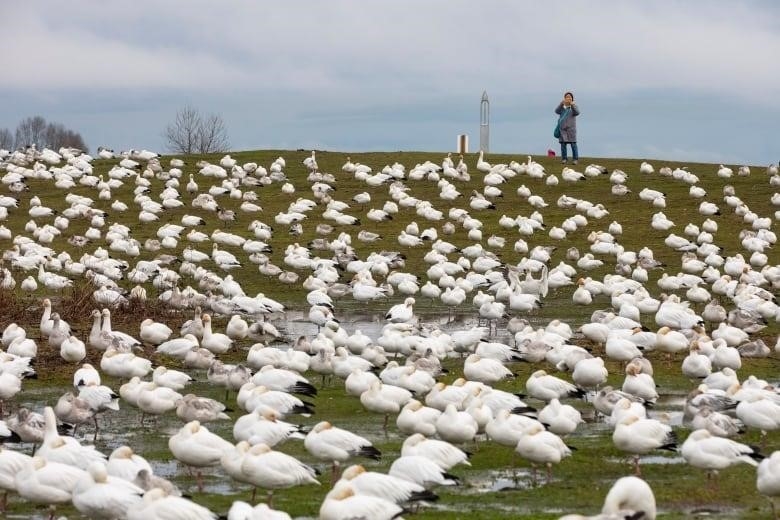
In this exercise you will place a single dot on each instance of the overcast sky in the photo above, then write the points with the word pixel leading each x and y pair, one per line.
pixel 676 80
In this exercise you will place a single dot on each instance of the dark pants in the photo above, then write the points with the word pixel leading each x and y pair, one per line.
pixel 574 151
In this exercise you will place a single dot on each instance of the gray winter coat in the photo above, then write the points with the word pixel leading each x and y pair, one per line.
pixel 568 125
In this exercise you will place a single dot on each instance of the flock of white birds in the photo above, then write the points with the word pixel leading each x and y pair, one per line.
pixel 711 311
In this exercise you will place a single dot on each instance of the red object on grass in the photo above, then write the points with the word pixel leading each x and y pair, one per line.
pixel 550 152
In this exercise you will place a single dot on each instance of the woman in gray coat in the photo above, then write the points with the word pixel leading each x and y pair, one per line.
pixel 568 111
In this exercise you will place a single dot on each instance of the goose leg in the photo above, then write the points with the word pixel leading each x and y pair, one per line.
pixel 199 479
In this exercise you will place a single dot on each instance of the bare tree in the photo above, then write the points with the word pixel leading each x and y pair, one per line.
pixel 36 131
pixel 30 131
pixel 213 135
pixel 73 140
pixel 6 139
pixel 191 132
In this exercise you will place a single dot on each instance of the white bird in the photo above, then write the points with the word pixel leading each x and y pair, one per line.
pixel 173 379
pixel 215 342
pixel 545 387
pixel 455 426
pixel 540 446
pixel 640 436
pixel 768 478
pixel 629 497
pixel 157 503
pixel 153 332
pixel 194 445
pixel 421 470
pixel 47 482
pixel 243 511
pixel 384 486
pixel 562 419
pixel 703 450
pixel 342 503
pixel 98 495
pixel 417 418
pixel 125 464
pixel 329 443
pixel 65 450
pixel 268 469
pixel 384 399
pixel 401 313
pixel 485 370
pixel 11 463
pixel 444 454
pixel 265 426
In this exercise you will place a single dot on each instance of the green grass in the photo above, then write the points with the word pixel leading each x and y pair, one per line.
pixel 581 481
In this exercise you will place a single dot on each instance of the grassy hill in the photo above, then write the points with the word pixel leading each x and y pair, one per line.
pixel 580 481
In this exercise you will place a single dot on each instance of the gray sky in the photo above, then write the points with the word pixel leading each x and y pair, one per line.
pixel 663 79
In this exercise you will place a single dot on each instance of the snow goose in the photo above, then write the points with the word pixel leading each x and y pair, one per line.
pixel 203 409
pixel 417 418
pixel 173 379
pixel 125 464
pixel 124 365
pixel 768 478
pixel 485 370
pixel 178 347
pixel 421 470
pixel 11 463
pixel 217 343
pixel 283 380
pixel 242 511
pixel 444 454
pixel 12 332
pixel 627 498
pixel 99 398
pixel 156 400
pixel 336 445
pixel 342 503
pixel 265 426
pixel 718 424
pixel 540 446
pixel 704 451
pixel 47 482
pixel 384 399
pixel 194 445
pixel 154 333
pixel 762 413
pixel 65 450
pixel 98 495
pixel 589 373
pixel 72 349
pixel 545 387
pixel 561 419
pixel 252 396
pixel 696 365
pixel 506 428
pixel 123 339
pixel 639 383
pixel 264 468
pixel 455 426
pixel 401 313
pixel 86 374
pixel 388 487
pixel 47 324
pixel 157 503
pixel 640 436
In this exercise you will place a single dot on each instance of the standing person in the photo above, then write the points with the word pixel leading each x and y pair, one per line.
pixel 566 129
